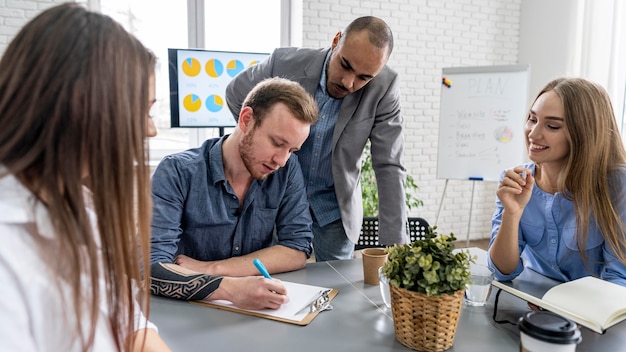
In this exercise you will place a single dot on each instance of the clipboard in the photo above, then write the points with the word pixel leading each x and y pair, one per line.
pixel 305 303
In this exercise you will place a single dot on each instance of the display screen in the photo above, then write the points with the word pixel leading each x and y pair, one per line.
pixel 198 80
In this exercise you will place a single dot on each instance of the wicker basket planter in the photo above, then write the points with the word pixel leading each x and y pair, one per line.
pixel 425 323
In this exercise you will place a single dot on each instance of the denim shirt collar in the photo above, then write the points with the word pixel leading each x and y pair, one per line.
pixel 216 162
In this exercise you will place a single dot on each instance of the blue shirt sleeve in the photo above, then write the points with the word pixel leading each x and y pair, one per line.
pixel 496 221
pixel 169 188
pixel 293 221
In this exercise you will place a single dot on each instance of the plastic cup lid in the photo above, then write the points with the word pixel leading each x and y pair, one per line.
pixel 549 327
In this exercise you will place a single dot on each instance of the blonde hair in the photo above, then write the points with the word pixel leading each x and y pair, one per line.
pixel 73 103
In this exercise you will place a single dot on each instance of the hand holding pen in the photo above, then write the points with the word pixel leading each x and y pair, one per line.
pixel 261 268
pixel 259 265
pixel 253 292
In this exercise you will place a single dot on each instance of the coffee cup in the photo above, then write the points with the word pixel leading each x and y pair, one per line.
pixel 543 331
pixel 373 258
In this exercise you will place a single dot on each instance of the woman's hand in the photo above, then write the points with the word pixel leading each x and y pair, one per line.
pixel 515 189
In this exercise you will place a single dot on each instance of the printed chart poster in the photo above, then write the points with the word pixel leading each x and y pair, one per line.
pixel 198 80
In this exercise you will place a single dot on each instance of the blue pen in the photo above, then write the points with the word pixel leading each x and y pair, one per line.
pixel 261 268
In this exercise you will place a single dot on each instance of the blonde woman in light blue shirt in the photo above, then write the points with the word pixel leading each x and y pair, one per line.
pixel 564 214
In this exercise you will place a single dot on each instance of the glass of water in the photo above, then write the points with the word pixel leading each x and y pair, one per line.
pixel 384 288
pixel 478 289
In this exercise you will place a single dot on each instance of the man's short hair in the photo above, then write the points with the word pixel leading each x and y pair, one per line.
pixel 271 91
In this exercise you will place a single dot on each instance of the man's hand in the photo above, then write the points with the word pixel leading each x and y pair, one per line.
pixel 252 292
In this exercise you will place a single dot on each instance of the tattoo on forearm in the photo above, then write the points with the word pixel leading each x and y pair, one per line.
pixel 165 281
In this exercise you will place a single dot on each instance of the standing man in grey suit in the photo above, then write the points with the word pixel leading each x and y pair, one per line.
pixel 358 99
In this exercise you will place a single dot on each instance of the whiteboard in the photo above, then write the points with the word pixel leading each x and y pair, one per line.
pixel 481 121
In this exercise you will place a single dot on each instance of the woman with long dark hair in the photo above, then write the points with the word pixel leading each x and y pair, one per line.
pixel 75 91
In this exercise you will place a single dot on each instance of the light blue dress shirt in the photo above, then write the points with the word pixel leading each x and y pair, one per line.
pixel 196 211
pixel 315 157
pixel 547 238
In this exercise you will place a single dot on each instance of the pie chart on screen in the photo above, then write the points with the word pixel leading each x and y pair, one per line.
pixel 234 67
pixel 214 68
pixel 192 103
pixel 191 67
pixel 214 103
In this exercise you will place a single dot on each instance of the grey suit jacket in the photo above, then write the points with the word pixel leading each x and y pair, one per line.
pixel 372 113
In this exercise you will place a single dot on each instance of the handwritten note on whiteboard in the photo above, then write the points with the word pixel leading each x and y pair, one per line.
pixel 481 121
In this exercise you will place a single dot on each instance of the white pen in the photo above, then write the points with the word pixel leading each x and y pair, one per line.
pixel 523 175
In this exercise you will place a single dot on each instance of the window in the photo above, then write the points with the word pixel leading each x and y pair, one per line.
pixel 603 50
pixel 237 25
pixel 242 25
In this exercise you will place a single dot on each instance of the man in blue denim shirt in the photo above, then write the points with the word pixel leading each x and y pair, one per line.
pixel 236 198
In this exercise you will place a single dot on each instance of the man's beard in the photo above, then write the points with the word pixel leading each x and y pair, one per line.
pixel 246 152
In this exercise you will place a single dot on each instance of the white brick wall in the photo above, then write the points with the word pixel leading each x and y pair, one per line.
pixel 15 13
pixel 430 35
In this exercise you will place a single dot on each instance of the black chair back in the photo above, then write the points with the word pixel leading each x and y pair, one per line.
pixel 416 227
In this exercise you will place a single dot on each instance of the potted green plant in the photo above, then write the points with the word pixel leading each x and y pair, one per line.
pixel 427 280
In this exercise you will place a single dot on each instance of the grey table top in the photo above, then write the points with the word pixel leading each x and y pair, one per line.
pixel 358 322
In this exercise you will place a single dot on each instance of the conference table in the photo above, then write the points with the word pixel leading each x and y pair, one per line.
pixel 359 321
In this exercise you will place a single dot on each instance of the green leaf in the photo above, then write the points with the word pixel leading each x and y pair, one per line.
pixel 369 187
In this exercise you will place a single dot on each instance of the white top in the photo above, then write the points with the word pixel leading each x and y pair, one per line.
pixel 33 316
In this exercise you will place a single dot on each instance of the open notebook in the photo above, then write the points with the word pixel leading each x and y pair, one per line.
pixel 305 302
pixel 589 301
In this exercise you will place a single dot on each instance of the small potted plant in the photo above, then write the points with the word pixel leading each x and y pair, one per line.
pixel 427 280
